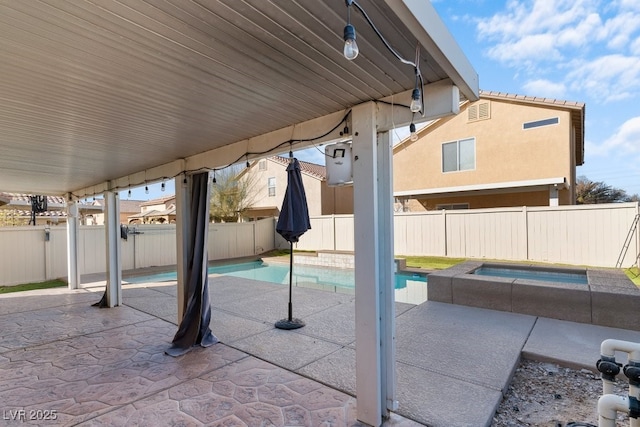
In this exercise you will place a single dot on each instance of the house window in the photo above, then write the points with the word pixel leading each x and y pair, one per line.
pixel 262 165
pixel 453 206
pixel 540 123
pixel 459 155
pixel 271 185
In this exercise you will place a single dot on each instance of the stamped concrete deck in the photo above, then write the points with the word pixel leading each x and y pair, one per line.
pixel 87 366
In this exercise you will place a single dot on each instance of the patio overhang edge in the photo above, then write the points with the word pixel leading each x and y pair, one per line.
pixel 418 16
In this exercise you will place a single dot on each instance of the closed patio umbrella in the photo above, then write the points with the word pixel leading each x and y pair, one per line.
pixel 293 222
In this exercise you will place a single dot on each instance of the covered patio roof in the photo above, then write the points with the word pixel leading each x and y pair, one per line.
pixel 107 95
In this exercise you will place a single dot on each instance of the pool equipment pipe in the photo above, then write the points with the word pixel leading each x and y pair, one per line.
pixel 610 404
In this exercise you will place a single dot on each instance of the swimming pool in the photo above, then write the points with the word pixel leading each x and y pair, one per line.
pixel 409 287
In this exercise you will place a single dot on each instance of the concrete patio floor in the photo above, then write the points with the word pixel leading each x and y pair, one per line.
pixel 87 366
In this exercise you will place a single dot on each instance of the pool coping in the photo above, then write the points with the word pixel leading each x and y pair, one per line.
pixel 608 299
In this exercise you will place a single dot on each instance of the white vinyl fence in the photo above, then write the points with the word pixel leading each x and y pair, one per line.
pixel 581 235
pixel 27 256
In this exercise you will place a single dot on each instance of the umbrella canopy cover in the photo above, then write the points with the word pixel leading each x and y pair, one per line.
pixel 294 221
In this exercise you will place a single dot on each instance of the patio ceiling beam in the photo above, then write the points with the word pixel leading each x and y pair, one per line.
pixel 441 99
pixel 424 23
pixel 231 153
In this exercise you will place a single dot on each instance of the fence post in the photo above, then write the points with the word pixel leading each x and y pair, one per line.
pixel 333 222
pixel 444 230
pixel 525 220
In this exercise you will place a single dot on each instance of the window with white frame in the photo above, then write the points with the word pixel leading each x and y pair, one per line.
pixel 271 186
pixel 459 155
pixel 262 165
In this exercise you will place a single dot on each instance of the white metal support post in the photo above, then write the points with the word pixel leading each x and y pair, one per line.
pixel 112 239
pixel 373 234
pixel 182 232
pixel 73 267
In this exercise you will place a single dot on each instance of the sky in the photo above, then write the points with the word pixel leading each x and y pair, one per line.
pixel 575 50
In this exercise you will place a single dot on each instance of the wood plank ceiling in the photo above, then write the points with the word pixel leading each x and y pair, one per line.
pixel 95 90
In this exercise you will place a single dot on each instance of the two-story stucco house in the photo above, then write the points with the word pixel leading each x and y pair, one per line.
pixel 502 150
pixel 269 178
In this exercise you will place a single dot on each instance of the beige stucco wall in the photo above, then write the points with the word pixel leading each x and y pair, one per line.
pixel 337 200
pixel 504 152
pixel 260 195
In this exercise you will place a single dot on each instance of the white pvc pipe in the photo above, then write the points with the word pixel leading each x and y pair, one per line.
pixel 608 407
pixel 609 347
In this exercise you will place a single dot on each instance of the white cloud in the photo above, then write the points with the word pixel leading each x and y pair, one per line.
pixel 610 78
pixel 626 139
pixel 545 88
pixel 618 30
pixel 588 44
pixel 634 47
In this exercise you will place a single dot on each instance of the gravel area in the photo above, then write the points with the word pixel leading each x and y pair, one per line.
pixel 547 395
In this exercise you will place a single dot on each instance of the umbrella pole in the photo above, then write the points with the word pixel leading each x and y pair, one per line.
pixel 290 280
pixel 290 322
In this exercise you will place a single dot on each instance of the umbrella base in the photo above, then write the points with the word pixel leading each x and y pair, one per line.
pixel 293 323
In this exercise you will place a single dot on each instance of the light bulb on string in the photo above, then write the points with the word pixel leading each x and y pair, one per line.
pixel 129 194
pixel 350 50
pixel 162 186
pixel 414 134
pixel 416 102
pixel 146 189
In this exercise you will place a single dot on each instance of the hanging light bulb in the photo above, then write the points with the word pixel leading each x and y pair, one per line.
pixel 146 189
pixel 162 186
pixel 414 134
pixel 416 103
pixel 350 50
pixel 129 194
pixel 214 177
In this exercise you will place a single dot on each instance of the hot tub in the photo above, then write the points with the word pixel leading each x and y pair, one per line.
pixel 585 295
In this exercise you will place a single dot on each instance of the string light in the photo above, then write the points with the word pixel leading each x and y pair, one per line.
pixel 214 177
pixel 350 50
pixel 416 101
pixel 129 194
pixel 414 134
pixel 162 186
pixel 246 155
pixel 146 189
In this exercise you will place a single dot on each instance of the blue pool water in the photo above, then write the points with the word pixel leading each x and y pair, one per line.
pixel 276 273
pixel 541 275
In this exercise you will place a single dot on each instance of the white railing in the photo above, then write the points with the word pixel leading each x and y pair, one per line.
pixel 580 235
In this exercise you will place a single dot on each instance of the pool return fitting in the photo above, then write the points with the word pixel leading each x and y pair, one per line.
pixel 610 404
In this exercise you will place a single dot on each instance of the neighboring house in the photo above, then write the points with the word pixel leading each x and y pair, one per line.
pixel 18 209
pixel 502 150
pixel 269 178
pixel 127 208
pixel 156 211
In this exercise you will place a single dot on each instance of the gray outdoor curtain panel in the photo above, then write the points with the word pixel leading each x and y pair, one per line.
pixel 194 326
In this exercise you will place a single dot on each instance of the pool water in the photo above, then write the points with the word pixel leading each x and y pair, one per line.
pixel 410 288
pixel 541 275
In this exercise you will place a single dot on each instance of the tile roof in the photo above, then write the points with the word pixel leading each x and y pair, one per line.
pixel 312 169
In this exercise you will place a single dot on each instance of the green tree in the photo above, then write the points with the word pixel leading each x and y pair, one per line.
pixel 231 194
pixel 591 192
